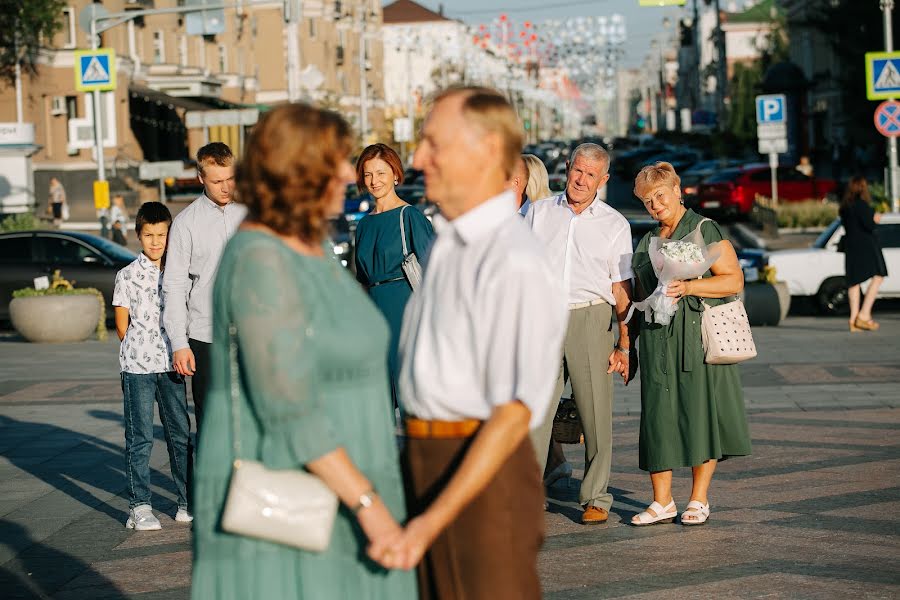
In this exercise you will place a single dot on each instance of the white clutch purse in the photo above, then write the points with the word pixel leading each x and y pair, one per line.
pixel 290 506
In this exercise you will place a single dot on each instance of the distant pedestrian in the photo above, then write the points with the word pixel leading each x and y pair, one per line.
pixel 692 413
pixel 589 246
pixel 145 359
pixel 538 187
pixel 57 205
pixel 863 258
pixel 118 216
pixel 379 247
pixel 804 166
pixel 198 236
pixel 477 367
pixel 309 389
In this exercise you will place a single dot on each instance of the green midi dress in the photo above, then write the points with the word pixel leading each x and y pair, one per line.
pixel 312 378
pixel 691 412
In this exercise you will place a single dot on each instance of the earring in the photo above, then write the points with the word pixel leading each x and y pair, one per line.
pixel 681 200
pixel 396 181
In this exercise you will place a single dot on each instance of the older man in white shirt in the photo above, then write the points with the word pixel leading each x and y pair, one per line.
pixel 589 246
pixel 477 367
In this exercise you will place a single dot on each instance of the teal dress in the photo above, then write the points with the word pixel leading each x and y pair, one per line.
pixel 691 412
pixel 379 253
pixel 312 379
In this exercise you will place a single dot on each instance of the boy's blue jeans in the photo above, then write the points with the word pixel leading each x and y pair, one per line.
pixel 168 391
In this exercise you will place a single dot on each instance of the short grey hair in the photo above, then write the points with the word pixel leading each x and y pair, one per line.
pixel 592 152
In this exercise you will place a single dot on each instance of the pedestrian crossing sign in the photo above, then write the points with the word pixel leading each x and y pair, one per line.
pixel 95 70
pixel 882 75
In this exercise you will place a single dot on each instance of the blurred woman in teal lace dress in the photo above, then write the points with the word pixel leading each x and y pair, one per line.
pixel 379 247
pixel 312 384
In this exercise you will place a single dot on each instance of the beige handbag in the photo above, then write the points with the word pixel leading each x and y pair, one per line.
pixel 725 331
pixel 290 507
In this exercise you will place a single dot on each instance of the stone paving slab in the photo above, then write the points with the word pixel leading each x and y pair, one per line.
pixel 811 514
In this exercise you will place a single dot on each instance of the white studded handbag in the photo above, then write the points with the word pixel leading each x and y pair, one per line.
pixel 725 332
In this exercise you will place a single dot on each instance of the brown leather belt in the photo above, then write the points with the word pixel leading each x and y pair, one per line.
pixel 441 430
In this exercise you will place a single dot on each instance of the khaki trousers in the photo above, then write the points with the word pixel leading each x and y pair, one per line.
pixel 489 552
pixel 588 344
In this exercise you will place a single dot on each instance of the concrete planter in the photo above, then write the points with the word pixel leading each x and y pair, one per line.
pixel 784 298
pixel 55 319
pixel 762 304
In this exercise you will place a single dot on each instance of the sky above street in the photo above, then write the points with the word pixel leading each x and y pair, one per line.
pixel 642 23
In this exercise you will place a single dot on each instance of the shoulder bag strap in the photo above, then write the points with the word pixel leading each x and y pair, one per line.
pixel 235 418
pixel 403 232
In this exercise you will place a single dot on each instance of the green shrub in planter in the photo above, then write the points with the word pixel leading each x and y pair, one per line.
pixel 20 222
pixel 809 213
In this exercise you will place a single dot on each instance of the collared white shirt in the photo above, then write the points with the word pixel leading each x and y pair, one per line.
pixel 146 348
pixel 589 251
pixel 197 238
pixel 486 326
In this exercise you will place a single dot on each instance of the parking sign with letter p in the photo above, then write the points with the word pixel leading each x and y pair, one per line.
pixel 771 108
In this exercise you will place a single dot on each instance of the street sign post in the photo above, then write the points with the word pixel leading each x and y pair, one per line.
pixel 95 70
pixel 882 75
pixel 160 170
pixel 771 131
pixel 887 118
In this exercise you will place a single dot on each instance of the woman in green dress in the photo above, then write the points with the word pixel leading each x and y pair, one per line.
pixel 312 382
pixel 692 413
pixel 379 248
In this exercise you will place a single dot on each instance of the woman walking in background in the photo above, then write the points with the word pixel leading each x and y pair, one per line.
pixel 863 259
pixel 692 413
pixel 310 385
pixel 380 238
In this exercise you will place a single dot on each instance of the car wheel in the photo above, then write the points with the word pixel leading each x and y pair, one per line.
pixel 832 296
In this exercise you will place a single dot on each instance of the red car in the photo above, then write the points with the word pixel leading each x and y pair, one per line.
pixel 732 191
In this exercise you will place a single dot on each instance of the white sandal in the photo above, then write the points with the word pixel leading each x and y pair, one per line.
pixel 696 512
pixel 663 514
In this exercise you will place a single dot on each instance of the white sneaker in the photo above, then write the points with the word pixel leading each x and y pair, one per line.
pixel 141 518
pixel 562 470
pixel 183 516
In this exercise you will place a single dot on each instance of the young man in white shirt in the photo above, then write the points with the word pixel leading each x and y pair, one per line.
pixel 477 364
pixel 196 242
pixel 589 247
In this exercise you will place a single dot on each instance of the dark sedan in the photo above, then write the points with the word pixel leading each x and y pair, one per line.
pixel 84 259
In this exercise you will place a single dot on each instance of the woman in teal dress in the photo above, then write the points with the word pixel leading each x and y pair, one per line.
pixel 379 248
pixel 692 413
pixel 312 382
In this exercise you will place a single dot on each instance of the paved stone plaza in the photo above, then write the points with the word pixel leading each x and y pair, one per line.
pixel 809 515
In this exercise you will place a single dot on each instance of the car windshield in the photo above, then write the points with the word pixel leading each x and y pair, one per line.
pixel 826 235
pixel 112 250
pixel 723 176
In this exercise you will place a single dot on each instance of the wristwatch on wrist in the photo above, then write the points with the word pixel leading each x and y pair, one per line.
pixel 622 349
pixel 366 499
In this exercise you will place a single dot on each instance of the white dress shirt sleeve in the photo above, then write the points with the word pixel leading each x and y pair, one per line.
pixel 525 336
pixel 620 257
pixel 177 285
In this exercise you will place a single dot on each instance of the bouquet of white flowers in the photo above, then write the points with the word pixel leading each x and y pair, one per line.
pixel 675 260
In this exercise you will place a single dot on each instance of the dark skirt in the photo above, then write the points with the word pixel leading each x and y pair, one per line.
pixel 57 210
pixel 863 260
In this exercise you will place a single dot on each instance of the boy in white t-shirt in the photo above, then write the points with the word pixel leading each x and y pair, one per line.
pixel 145 357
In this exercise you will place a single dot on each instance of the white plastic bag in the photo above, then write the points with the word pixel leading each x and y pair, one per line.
pixel 657 307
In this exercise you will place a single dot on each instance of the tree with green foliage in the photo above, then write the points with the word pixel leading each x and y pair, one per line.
pixel 24 25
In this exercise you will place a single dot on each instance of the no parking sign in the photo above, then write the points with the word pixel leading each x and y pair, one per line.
pixel 887 118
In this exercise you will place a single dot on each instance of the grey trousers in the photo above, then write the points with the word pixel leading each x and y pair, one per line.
pixel 588 344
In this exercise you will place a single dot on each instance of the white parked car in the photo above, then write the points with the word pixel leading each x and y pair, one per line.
pixel 818 271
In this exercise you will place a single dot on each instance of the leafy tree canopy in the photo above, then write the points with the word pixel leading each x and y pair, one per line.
pixel 24 24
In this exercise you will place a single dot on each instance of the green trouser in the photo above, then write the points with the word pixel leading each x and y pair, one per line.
pixel 588 344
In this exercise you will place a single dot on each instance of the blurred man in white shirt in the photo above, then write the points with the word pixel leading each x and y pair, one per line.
pixel 477 370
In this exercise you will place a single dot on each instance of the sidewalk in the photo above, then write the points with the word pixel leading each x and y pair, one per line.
pixel 811 514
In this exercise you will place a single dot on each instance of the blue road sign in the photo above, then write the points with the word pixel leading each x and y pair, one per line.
pixel 882 75
pixel 771 108
pixel 95 70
